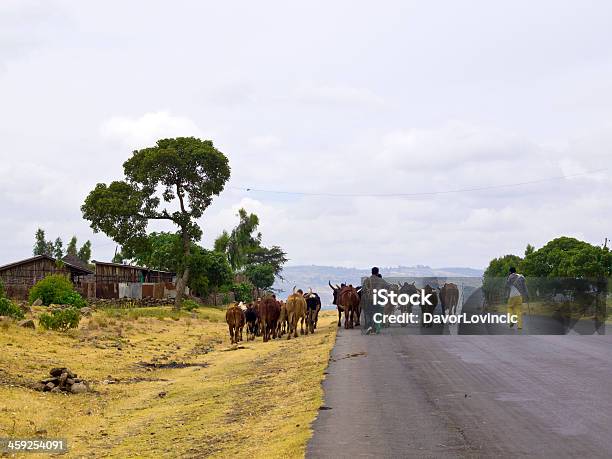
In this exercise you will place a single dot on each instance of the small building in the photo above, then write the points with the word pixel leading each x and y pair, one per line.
pixel 115 280
pixel 19 277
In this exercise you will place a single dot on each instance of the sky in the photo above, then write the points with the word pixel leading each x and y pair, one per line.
pixel 350 98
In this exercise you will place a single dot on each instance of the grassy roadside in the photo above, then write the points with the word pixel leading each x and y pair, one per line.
pixel 257 400
pixel 550 310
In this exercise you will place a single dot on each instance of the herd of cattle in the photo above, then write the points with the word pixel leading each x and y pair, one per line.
pixel 272 318
pixel 348 299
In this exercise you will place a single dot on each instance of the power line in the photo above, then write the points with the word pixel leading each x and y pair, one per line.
pixel 422 193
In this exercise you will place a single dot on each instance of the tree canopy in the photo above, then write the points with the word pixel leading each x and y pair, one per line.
pixel 245 252
pixel 175 181
pixel 568 257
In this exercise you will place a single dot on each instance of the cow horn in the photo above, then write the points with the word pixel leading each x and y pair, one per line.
pixel 294 288
pixel 331 286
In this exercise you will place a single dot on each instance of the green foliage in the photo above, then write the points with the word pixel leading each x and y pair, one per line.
pixel 85 252
pixel 243 292
pixel 58 289
pixel 494 279
pixel 2 292
pixel 262 276
pixel 210 271
pixel 500 267
pixel 73 297
pixel 10 309
pixel 568 257
pixel 190 305
pixel 242 240
pixel 244 251
pixel 273 256
pixel 71 249
pixel 187 171
pixel 58 248
pixel 162 250
pixel 60 319
pixel 41 245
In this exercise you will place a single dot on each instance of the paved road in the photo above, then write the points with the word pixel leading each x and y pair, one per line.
pixel 404 395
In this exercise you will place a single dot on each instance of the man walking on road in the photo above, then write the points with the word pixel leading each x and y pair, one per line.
pixel 374 282
pixel 518 294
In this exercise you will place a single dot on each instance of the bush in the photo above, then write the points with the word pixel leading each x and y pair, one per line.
pixel 243 292
pixel 57 289
pixel 60 319
pixel 8 308
pixel 190 305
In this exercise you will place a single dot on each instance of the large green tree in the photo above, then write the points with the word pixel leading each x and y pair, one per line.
pixel 175 180
pixel 243 239
pixel 570 258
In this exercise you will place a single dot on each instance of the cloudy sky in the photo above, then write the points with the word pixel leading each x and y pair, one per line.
pixel 343 97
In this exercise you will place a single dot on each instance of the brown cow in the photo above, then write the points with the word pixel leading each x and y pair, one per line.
pixel 449 297
pixel 296 311
pixel 336 290
pixel 283 324
pixel 269 312
pixel 348 298
pixel 234 316
pixel 429 307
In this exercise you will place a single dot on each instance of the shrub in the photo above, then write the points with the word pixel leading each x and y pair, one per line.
pixel 60 319
pixel 190 305
pixel 74 298
pixel 57 289
pixel 8 308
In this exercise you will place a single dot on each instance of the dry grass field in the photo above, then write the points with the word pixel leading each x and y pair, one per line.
pixel 252 400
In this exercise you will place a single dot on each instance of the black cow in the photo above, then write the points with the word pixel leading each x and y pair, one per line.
pixel 313 306
pixel 251 317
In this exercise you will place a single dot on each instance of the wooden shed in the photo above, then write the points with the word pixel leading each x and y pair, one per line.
pixel 115 280
pixel 19 277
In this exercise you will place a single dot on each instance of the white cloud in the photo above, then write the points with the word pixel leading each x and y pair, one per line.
pixel 148 128
pixel 265 142
pixel 338 111
pixel 339 96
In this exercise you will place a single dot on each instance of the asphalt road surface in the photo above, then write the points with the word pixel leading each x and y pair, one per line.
pixel 403 394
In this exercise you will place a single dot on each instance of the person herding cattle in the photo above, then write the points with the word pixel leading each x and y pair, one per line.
pixel 374 282
pixel 517 294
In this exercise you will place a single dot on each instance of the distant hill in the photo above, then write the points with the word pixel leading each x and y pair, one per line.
pixel 315 276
